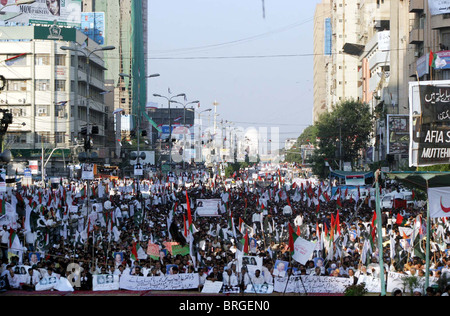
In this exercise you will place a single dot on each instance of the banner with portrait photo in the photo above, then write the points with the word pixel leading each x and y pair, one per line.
pixel 87 171
pixel 429 123
pixel 252 263
pixel 106 282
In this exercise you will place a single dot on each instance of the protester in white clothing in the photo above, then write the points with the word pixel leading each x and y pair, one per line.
pixel 258 279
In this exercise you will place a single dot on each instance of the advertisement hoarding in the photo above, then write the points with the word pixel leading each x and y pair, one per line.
pixel 64 12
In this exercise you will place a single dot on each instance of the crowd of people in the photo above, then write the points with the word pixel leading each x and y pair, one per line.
pixel 100 227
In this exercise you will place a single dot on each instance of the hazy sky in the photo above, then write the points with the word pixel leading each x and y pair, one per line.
pixel 260 70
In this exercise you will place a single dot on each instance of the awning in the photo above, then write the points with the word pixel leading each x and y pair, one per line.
pixel 419 178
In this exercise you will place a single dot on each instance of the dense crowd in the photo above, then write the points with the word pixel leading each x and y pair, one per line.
pixel 58 226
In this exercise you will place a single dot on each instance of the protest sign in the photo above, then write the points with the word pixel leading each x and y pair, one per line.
pixel 47 284
pixel 259 289
pixel 107 282
pixel 303 250
pixel 211 287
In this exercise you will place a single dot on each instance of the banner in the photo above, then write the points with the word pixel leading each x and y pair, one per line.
pixel 398 133
pixel 54 283
pixel 429 123
pixel 311 284
pixel 397 281
pixel 107 282
pixel 439 200
pixel 64 12
pixel 208 207
pixel 174 282
pixel 439 6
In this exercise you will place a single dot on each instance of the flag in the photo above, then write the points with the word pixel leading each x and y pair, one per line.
pixel 134 251
pixel 292 238
pixel 416 238
pixel 432 61
pixel 439 201
pixel 188 203
pixel 245 248
pixel 401 221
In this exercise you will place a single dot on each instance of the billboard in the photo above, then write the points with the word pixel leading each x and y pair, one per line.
pixel 63 12
pixel 438 7
pixel 429 123
pixel 398 133
pixel 93 26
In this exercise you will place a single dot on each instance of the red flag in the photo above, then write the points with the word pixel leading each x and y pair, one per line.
pixel 189 212
pixel 338 224
pixel 246 249
pixel 399 219
pixel 291 238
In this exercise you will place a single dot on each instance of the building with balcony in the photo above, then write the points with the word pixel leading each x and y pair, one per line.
pixel 47 93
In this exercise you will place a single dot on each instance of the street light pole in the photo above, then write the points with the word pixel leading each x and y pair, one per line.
pixel 170 100
pixel 184 124
pixel 88 143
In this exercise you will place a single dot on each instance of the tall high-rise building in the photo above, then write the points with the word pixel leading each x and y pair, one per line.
pixel 322 56
pixel 335 72
pixel 126 29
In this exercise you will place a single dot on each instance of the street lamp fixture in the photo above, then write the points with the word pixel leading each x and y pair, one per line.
pixel 170 101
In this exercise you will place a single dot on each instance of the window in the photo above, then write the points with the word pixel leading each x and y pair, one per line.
pixel 60 137
pixel 17 138
pixel 60 110
pixel 42 60
pixel 17 85
pixel 42 137
pixel 18 112
pixel 60 85
pixel 42 110
pixel 42 85
pixel 16 60
pixel 60 60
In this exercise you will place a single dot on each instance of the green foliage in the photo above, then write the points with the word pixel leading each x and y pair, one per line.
pixel 438 168
pixel 308 137
pixel 351 124
pixel 356 290
pixel 410 283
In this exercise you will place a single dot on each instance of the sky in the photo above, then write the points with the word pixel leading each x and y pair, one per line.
pixel 259 69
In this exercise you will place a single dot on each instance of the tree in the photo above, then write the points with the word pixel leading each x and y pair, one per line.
pixel 350 123
pixel 306 138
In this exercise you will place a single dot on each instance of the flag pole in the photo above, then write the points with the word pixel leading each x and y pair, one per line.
pixel 380 232
pixel 427 255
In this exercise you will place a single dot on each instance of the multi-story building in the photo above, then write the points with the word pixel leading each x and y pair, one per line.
pixel 126 29
pixel 335 72
pixel 47 93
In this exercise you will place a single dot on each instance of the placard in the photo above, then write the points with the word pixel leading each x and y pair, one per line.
pixel 106 282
